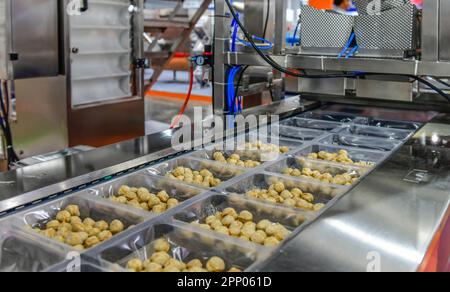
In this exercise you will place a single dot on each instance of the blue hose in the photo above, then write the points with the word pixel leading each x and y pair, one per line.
pixel 269 47
pixel 294 37
pixel 349 43
pixel 352 52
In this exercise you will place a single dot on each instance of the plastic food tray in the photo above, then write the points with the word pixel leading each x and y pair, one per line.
pixel 377 132
pixel 90 207
pixel 357 155
pixel 332 117
pixel 186 244
pixel 374 122
pixel 311 124
pixel 224 173
pixel 323 193
pixel 362 142
pixel 154 184
pixel 200 210
pixel 324 167
pixel 238 143
pixel 21 252
pixel 301 134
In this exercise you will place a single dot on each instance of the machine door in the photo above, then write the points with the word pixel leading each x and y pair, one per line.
pixel 101 53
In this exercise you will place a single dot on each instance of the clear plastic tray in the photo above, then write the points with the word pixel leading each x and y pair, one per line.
pixel 174 189
pixel 244 156
pixel 310 124
pixel 331 117
pixel 323 193
pixel 301 134
pixel 362 142
pixel 377 132
pixel 374 122
pixel 315 165
pixel 39 216
pixel 238 143
pixel 200 210
pixel 186 244
pixel 224 173
pixel 20 252
pixel 371 157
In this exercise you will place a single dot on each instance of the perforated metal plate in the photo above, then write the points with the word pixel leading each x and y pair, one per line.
pixel 393 29
pixel 370 7
pixel 323 29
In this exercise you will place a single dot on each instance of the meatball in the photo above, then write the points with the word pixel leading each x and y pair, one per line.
pixel 116 227
pixel 215 264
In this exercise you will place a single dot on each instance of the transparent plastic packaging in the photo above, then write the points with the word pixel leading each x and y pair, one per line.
pixel 361 142
pixel 20 252
pixel 305 135
pixel 374 122
pixel 301 163
pixel 97 210
pixel 244 156
pixel 186 244
pixel 224 173
pixel 200 210
pixel 358 156
pixel 238 143
pixel 332 117
pixel 323 193
pixel 143 179
pixel 311 124
pixel 377 132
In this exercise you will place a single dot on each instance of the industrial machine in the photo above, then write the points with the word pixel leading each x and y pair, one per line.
pixel 359 182
pixel 75 70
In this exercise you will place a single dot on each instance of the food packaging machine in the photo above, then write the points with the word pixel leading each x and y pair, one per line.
pixel 391 219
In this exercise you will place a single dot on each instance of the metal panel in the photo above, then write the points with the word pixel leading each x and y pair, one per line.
pixel 388 90
pixel 41 125
pixel 430 31
pixel 444 31
pixel 35 38
pixel 101 53
pixel 4 39
pixel 323 29
pixel 393 29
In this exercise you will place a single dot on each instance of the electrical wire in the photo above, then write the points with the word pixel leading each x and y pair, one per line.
pixel 270 61
pixel 347 46
pixel 352 52
pixel 266 24
pixel 186 102
pixel 289 72
pixel 442 82
pixel 238 84
pixel 10 152
pixel 294 37
pixel 269 45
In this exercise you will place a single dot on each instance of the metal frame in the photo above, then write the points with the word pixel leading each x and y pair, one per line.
pixel 434 62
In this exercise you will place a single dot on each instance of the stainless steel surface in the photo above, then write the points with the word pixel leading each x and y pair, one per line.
pixel 323 63
pixel 430 31
pixel 41 121
pixel 31 32
pixel 383 90
pixel 33 183
pixel 444 31
pixel 384 224
pixel 392 214
pixel 98 83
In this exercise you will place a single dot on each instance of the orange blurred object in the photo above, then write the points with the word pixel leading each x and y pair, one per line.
pixel 321 4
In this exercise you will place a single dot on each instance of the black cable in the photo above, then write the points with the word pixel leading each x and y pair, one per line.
pixel 442 82
pixel 239 80
pixel 267 19
pixel 12 155
pixel 282 69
